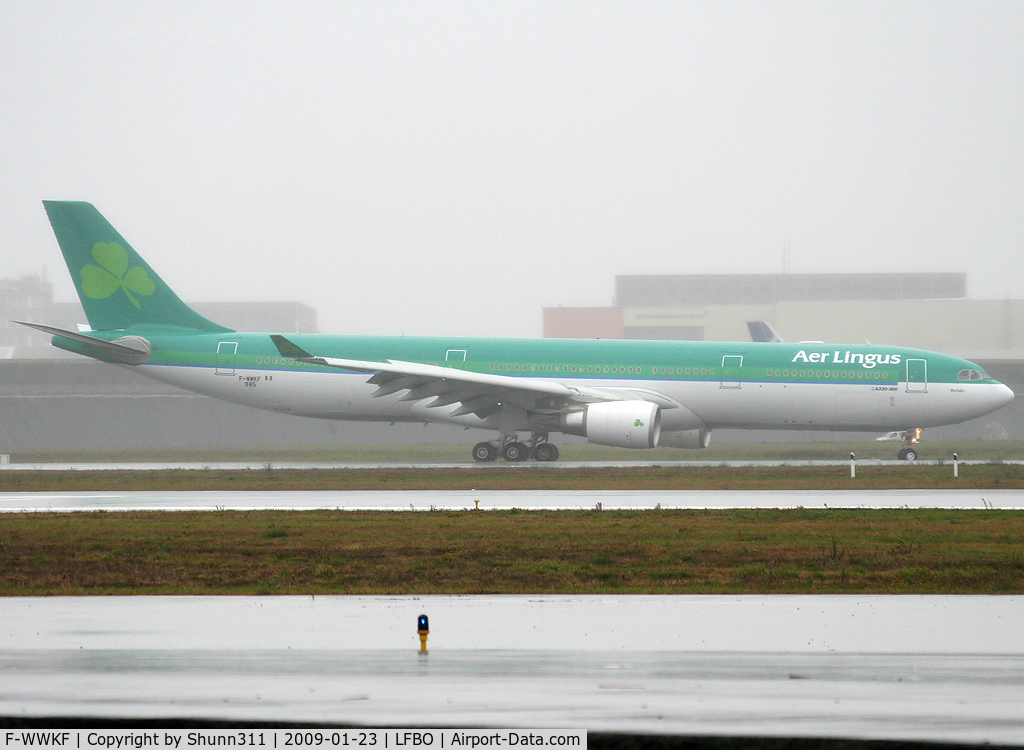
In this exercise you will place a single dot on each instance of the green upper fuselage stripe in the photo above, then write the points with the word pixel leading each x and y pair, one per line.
pixel 566 358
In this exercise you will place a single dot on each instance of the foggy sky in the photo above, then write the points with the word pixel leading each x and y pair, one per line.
pixel 451 168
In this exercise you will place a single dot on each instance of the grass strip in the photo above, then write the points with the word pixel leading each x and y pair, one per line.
pixel 527 477
pixel 828 449
pixel 513 552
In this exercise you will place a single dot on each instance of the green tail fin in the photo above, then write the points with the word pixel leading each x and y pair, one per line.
pixel 117 287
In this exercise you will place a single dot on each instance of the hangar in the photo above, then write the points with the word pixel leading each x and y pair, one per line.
pixel 921 310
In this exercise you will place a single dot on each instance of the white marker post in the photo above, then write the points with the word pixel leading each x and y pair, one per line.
pixel 853 466
pixel 956 466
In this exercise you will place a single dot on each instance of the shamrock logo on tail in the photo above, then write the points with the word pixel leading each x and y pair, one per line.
pixel 638 423
pixel 112 273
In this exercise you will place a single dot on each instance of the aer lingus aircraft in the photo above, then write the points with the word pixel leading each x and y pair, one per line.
pixel 628 394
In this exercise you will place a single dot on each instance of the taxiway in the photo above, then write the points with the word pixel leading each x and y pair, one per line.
pixel 425 500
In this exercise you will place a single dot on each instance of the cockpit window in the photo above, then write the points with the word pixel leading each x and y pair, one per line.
pixel 972 375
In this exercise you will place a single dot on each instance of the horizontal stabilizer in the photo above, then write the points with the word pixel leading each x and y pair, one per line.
pixel 129 350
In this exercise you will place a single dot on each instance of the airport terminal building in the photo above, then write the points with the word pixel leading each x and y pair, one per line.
pixel 921 310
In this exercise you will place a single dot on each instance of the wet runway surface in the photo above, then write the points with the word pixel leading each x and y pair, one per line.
pixel 921 667
pixel 494 466
pixel 420 500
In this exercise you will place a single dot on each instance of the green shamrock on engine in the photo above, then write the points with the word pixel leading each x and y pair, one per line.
pixel 112 273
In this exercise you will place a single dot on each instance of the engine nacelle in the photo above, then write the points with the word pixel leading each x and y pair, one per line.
pixel 622 424
pixel 685 439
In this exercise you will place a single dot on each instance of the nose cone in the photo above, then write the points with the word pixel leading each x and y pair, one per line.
pixel 993 396
pixel 1003 396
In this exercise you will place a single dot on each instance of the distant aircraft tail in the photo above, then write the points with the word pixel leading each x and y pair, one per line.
pixel 117 287
pixel 762 331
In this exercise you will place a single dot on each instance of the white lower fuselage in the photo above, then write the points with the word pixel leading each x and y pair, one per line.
pixel 750 405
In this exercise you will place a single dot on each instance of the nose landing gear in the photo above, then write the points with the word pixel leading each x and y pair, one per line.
pixel 907 454
pixel 909 439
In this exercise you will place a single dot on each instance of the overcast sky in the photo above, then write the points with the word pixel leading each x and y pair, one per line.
pixel 453 167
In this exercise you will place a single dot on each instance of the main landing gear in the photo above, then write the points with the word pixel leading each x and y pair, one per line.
pixel 513 451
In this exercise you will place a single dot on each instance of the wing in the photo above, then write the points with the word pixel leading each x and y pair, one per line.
pixel 476 393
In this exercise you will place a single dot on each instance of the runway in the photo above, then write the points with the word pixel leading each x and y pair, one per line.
pixel 426 500
pixel 934 668
pixel 493 466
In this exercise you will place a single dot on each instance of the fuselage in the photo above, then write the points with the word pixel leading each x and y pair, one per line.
pixel 716 385
pixel 627 394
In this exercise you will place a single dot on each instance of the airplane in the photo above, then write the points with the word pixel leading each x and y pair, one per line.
pixel 626 394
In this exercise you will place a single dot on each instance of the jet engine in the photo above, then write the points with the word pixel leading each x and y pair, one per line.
pixel 685 439
pixel 622 424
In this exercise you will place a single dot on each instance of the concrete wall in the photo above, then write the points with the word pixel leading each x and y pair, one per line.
pixel 87 406
pixel 134 422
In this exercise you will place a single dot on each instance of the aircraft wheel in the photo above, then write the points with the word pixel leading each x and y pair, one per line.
pixel 515 452
pixel 545 452
pixel 907 454
pixel 484 452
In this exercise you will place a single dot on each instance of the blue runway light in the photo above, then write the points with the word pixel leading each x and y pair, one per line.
pixel 423 628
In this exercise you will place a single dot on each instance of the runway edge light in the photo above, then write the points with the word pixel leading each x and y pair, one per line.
pixel 423 628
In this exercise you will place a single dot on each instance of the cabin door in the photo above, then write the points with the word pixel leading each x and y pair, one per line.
pixel 226 357
pixel 917 375
pixel 731 364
